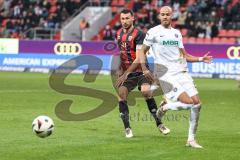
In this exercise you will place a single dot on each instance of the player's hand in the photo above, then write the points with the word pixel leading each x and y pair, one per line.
pixel 121 79
pixel 119 73
pixel 207 58
pixel 149 76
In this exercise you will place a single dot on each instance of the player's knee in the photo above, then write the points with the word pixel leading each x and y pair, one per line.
pixel 188 101
pixel 146 94
pixel 122 93
pixel 123 96
pixel 145 90
pixel 197 102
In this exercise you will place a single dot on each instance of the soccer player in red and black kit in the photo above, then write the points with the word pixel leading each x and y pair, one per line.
pixel 130 40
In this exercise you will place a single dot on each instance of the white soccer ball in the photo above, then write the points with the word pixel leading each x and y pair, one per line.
pixel 43 126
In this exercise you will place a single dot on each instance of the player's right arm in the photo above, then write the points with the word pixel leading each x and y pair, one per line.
pixel 147 43
pixel 142 58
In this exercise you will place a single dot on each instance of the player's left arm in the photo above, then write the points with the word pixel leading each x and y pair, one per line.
pixel 190 58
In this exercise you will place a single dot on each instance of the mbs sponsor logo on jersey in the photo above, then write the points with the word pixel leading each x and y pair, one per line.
pixel 233 53
pixel 170 43
pixel 67 48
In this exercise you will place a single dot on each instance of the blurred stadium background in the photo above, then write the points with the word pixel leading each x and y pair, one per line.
pixel 40 35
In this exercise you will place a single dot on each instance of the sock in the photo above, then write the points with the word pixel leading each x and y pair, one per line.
pixel 153 109
pixel 177 106
pixel 193 121
pixel 124 113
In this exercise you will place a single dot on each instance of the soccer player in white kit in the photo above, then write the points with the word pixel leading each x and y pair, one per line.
pixel 170 59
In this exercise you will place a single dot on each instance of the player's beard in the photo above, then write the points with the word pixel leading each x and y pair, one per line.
pixel 166 24
pixel 127 27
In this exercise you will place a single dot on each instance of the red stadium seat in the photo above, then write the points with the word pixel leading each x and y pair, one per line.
pixel 216 40
pixel 207 40
pixel 222 33
pixel 114 9
pixel 200 40
pixel 121 2
pixel 232 40
pixel 57 36
pixel 225 40
pixel 238 33
pixel 192 40
pixel 231 33
pixel 4 23
pixel 114 3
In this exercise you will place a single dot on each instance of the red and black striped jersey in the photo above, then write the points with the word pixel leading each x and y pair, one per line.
pixel 127 43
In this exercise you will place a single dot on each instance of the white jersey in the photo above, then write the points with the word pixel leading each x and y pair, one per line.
pixel 165 44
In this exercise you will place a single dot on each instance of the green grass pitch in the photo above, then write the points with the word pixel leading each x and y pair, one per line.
pixel 24 96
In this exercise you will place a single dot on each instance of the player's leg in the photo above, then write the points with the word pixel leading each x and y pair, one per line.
pixel 123 92
pixel 187 83
pixel 123 107
pixel 152 106
pixel 194 117
pixel 193 122
pixel 151 103
pixel 124 111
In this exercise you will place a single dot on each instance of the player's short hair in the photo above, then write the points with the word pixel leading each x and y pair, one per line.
pixel 126 11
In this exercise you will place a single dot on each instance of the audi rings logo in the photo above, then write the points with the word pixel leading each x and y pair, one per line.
pixel 233 52
pixel 67 48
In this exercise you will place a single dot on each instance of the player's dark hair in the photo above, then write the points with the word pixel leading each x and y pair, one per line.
pixel 126 11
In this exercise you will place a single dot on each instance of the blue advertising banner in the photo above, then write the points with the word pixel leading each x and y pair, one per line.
pixel 219 66
pixel 46 61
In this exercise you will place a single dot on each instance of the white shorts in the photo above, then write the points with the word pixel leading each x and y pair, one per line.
pixel 174 85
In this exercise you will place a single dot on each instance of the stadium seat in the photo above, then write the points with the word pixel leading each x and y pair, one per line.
pixel 225 40
pixel 207 40
pixel 222 33
pixel 238 33
pixel 232 40
pixel 57 36
pixel 216 40
pixel 4 22
pixel 114 9
pixel 121 2
pixel 200 40
pixel 192 40
pixel 231 33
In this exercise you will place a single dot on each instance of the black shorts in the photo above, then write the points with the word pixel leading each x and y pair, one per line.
pixel 135 79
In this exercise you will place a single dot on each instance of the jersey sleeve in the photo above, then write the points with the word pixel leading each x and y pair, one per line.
pixel 180 40
pixel 139 39
pixel 149 39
